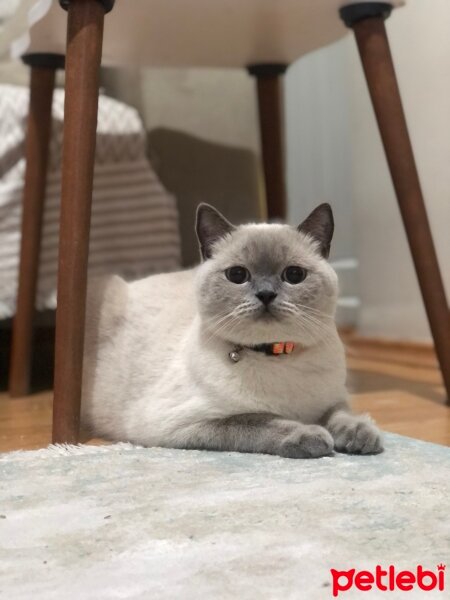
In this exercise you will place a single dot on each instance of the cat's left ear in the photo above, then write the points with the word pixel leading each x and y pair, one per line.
pixel 320 225
pixel 210 227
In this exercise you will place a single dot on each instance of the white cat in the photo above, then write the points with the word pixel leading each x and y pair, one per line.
pixel 240 353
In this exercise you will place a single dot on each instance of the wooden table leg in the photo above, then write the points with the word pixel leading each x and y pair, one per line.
pixel 83 56
pixel 42 81
pixel 367 22
pixel 269 79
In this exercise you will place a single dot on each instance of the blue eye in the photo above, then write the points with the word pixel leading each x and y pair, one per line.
pixel 237 274
pixel 294 275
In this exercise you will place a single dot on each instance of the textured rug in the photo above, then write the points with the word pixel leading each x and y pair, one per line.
pixel 92 523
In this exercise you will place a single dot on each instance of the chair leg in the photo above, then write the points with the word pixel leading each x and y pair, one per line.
pixel 83 56
pixel 42 80
pixel 271 122
pixel 379 70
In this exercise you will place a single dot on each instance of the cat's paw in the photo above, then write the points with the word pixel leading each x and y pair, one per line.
pixel 358 436
pixel 307 441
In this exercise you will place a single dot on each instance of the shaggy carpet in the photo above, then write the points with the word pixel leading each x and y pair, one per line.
pixel 108 522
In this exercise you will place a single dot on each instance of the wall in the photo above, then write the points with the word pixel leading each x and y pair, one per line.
pixel 202 139
pixel 335 154
pixel 216 105
pixel 390 300
pixel 319 167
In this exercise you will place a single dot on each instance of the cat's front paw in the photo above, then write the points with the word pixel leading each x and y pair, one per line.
pixel 358 436
pixel 307 441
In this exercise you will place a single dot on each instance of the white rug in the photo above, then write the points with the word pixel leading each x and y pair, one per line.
pixel 93 523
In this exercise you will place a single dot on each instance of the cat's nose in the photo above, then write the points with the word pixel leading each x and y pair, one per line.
pixel 266 296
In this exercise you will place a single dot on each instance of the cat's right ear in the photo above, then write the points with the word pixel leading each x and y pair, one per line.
pixel 210 226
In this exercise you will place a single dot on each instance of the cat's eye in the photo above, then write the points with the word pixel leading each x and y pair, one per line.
pixel 237 274
pixel 294 275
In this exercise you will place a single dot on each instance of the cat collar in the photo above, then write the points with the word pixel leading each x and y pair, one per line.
pixel 274 349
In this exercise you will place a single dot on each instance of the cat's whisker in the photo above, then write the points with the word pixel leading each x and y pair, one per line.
pixel 318 314
pixel 216 317
pixel 309 309
pixel 213 331
pixel 227 313
pixel 212 326
pixel 318 324
pixel 229 319
pixel 301 313
pixel 305 310
pixel 312 326
pixel 318 331
pixel 314 319
pixel 224 327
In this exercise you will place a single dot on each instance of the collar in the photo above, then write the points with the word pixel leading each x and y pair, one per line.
pixel 273 349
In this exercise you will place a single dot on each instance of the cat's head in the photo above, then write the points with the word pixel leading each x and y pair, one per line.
pixel 262 283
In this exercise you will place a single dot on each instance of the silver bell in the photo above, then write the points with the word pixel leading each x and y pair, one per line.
pixel 234 356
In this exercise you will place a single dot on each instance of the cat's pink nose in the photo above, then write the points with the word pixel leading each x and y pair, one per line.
pixel 266 296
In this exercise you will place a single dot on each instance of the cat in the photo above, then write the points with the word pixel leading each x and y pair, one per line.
pixel 238 354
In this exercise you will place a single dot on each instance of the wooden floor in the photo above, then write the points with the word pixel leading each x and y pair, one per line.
pixel 399 385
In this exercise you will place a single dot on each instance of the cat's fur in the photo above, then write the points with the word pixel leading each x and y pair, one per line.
pixel 157 369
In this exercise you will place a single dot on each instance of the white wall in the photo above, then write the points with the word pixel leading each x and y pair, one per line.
pixel 318 135
pixel 217 105
pixel 335 154
pixel 319 167
pixel 390 299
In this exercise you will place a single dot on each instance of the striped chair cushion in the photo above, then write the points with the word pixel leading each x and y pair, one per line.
pixel 134 229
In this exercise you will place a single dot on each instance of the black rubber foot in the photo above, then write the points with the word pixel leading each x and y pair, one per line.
pixel 107 4
pixel 352 13
pixel 45 61
pixel 267 70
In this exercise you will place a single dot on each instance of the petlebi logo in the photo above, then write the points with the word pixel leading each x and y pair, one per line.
pixel 388 579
